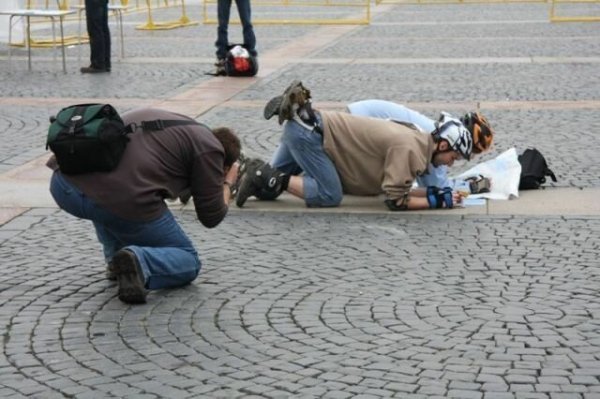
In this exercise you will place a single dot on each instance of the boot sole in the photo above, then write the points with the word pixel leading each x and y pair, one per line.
pixel 244 192
pixel 235 188
pixel 292 98
pixel 246 188
pixel 272 107
pixel 131 286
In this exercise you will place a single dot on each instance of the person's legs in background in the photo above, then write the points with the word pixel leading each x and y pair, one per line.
pixel 245 13
pixel 96 13
pixel 107 43
pixel 223 11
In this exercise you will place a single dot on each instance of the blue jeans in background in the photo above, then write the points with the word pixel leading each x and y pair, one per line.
pixel 165 253
pixel 301 150
pixel 223 11
pixel 96 13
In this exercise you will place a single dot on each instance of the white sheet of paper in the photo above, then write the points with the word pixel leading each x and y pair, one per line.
pixel 504 172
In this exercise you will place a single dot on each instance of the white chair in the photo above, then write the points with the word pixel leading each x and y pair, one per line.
pixel 27 14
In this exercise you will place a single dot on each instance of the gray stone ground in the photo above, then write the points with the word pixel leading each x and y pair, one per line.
pixel 308 304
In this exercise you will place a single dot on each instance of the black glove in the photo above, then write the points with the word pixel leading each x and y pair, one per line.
pixel 479 184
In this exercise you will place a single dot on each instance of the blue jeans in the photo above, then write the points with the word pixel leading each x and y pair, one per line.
pixel 223 11
pixel 96 13
pixel 166 255
pixel 301 150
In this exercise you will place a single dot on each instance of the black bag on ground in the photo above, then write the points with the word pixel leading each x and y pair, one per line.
pixel 239 62
pixel 87 138
pixel 534 170
pixel 92 137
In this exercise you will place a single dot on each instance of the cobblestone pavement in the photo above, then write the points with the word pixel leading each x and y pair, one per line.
pixel 317 305
pixel 335 307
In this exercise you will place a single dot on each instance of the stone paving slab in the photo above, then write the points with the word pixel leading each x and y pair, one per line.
pixel 551 201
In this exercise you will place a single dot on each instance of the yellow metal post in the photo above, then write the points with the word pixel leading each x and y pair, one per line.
pixel 151 25
pixel 583 18
pixel 343 5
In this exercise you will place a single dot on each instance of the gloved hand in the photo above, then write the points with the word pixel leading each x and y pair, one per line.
pixel 479 184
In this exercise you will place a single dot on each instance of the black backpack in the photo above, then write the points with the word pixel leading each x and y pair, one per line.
pixel 534 170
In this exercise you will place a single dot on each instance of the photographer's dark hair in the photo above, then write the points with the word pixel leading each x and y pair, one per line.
pixel 231 144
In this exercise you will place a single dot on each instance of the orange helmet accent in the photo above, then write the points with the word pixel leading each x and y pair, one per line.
pixel 482 132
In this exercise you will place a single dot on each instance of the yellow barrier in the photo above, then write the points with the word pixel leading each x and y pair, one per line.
pixel 45 4
pixel 61 5
pixel 286 8
pixel 181 22
pixel 580 18
pixel 48 42
pixel 455 1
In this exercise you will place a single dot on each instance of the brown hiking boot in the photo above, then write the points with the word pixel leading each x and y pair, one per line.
pixel 272 107
pixel 129 277
pixel 294 97
pixel 110 272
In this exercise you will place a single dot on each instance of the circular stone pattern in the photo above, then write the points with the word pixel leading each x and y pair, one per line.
pixel 314 305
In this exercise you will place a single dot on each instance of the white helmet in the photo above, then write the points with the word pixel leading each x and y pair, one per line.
pixel 455 133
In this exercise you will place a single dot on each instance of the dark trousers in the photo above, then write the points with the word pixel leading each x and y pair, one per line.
pixel 223 11
pixel 96 15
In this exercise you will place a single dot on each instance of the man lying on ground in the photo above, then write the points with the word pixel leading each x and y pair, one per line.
pixel 475 122
pixel 325 154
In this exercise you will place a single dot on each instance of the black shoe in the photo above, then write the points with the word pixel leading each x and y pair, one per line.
pixel 92 69
pixel 272 107
pixel 221 71
pixel 220 67
pixel 129 277
pixel 110 272
pixel 250 182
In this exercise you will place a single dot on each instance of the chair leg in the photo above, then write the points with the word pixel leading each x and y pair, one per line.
pixel 121 32
pixel 10 26
pixel 62 44
pixel 28 41
pixel 53 40
pixel 79 43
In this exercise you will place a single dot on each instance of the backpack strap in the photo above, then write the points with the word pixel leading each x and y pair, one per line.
pixel 549 172
pixel 160 124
